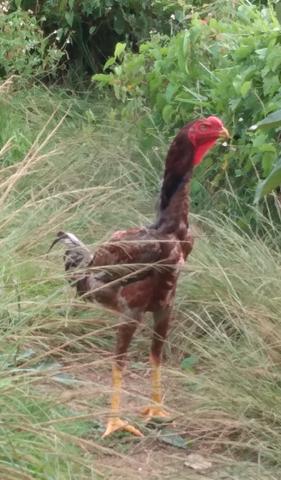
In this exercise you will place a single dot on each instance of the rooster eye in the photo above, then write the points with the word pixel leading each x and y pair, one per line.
pixel 203 127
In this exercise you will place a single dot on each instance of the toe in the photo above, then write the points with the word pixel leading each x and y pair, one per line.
pixel 153 412
pixel 116 424
pixel 133 430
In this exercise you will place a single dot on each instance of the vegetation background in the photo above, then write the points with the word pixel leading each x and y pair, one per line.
pixel 91 93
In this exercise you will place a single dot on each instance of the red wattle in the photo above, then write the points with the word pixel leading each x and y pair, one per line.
pixel 201 150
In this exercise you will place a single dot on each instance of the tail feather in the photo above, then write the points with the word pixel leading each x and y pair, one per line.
pixel 77 257
pixel 68 239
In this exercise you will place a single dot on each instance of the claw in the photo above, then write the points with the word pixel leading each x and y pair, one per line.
pixel 116 424
pixel 154 412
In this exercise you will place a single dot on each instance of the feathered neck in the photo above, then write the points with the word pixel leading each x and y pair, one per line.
pixel 172 214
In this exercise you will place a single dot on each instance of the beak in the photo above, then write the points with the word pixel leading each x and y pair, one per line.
pixel 224 133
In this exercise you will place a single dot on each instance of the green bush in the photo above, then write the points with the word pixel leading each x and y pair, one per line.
pixel 24 50
pixel 93 27
pixel 231 69
pixel 273 180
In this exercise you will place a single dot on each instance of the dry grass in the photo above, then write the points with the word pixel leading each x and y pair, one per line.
pixel 60 171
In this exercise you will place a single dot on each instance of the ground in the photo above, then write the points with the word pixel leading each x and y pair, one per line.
pixel 82 381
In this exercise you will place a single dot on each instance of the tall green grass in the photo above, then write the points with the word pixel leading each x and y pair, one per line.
pixel 232 304
pixel 68 164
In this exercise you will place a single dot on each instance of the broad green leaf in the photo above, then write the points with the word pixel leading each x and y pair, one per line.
pixel 174 440
pixel 167 113
pixel 102 78
pixel 109 63
pixel 270 183
pixel 237 83
pixel 71 4
pixel 272 120
pixel 267 164
pixel 271 84
pixel 259 139
pixel 60 33
pixel 185 43
pixel 119 23
pixel 119 49
pixel 170 91
pixel 243 52
pixel 69 17
pixel 118 70
pixel 189 362
pixel 262 52
pixel 154 85
pixel 245 87
pixel 273 58
pixel 268 148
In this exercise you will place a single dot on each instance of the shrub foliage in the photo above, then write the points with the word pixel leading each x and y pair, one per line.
pixel 231 69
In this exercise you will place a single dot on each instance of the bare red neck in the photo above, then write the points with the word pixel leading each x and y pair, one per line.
pixel 201 151
pixel 173 208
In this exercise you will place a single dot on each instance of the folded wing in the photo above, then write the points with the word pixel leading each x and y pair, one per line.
pixel 128 256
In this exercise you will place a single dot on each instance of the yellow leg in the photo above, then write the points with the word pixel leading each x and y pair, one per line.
pixel 155 380
pixel 116 395
pixel 115 423
pixel 155 410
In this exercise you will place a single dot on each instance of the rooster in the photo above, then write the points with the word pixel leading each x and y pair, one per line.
pixel 137 270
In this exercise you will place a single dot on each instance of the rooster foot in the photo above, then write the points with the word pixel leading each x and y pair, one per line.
pixel 154 412
pixel 116 424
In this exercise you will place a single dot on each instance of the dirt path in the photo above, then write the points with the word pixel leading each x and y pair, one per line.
pixel 84 386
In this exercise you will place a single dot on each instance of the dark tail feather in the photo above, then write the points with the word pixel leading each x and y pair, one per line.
pixel 68 239
pixel 77 257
